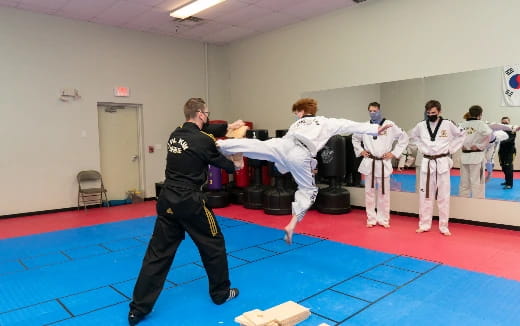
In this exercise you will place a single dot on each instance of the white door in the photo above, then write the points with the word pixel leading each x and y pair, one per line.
pixel 119 148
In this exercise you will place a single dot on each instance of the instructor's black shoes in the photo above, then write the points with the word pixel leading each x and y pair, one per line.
pixel 134 318
pixel 233 293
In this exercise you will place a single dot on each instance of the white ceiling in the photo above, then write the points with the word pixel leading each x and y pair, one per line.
pixel 228 21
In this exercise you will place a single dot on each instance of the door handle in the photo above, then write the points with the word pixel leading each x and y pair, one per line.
pixel 134 158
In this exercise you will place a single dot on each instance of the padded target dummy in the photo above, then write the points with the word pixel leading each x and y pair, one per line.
pixel 254 193
pixel 278 198
pixel 331 164
pixel 216 196
pixel 240 177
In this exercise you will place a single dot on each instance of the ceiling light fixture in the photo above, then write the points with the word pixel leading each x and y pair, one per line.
pixel 193 7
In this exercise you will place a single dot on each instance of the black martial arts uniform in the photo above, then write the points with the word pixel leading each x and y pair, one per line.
pixel 181 208
pixel 506 156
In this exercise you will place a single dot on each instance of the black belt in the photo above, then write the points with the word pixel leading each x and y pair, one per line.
pixel 374 159
pixel 432 157
pixel 471 150
pixel 182 185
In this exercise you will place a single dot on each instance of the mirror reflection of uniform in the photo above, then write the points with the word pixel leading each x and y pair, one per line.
pixel 506 154
pixel 473 160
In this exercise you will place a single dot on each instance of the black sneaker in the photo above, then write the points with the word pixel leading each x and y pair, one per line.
pixel 508 187
pixel 503 184
pixel 134 318
pixel 233 293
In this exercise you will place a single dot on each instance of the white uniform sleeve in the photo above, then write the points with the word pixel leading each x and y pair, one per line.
pixel 402 141
pixel 356 142
pixel 344 126
pixel 458 137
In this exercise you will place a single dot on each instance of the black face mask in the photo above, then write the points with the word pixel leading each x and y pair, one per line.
pixel 432 118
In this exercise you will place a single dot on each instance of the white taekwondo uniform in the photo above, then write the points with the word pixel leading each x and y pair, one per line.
pixel 296 152
pixel 472 159
pixel 377 171
pixel 435 168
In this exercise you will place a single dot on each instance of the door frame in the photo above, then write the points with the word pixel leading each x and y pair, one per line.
pixel 140 139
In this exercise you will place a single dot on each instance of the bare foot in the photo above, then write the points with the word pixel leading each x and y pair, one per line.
pixel 369 225
pixel 288 235
pixel 446 233
pixel 386 226
pixel 419 230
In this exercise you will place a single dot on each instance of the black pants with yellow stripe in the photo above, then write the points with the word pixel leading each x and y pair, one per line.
pixel 174 218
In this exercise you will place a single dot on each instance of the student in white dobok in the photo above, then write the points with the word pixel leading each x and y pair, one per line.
pixel 437 139
pixel 296 151
pixel 378 152
pixel 472 158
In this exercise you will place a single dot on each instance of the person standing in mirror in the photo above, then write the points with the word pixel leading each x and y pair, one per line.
pixel 506 154
pixel 377 156
pixel 473 160
pixel 436 138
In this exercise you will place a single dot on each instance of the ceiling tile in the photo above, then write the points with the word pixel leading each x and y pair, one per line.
pixel 242 15
pixel 120 13
pixel 150 3
pixel 149 19
pixel 9 3
pixel 270 22
pixel 49 4
pixel 228 21
pixel 313 8
pixel 81 9
pixel 278 4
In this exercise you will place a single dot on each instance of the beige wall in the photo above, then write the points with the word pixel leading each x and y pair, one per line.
pixel 44 141
pixel 256 79
pixel 377 41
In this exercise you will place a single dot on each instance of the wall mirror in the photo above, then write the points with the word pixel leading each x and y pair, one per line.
pixel 403 102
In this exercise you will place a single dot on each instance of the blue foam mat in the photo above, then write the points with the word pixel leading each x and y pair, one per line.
pixel 342 284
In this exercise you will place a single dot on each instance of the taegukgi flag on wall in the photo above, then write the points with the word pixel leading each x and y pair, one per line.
pixel 511 85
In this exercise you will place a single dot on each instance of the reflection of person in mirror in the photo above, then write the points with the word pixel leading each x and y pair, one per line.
pixel 472 160
pixel 492 149
pixel 437 139
pixel 296 151
pixel 377 153
pixel 506 154
pixel 407 159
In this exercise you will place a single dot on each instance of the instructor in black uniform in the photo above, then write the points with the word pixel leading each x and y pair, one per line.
pixel 181 208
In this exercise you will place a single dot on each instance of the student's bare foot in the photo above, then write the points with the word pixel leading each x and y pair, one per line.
pixel 370 225
pixel 446 233
pixel 288 235
pixel 386 226
pixel 419 230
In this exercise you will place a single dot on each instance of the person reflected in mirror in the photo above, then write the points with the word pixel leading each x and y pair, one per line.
pixel 506 154
pixel 437 139
pixel 296 151
pixel 378 152
pixel 472 159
